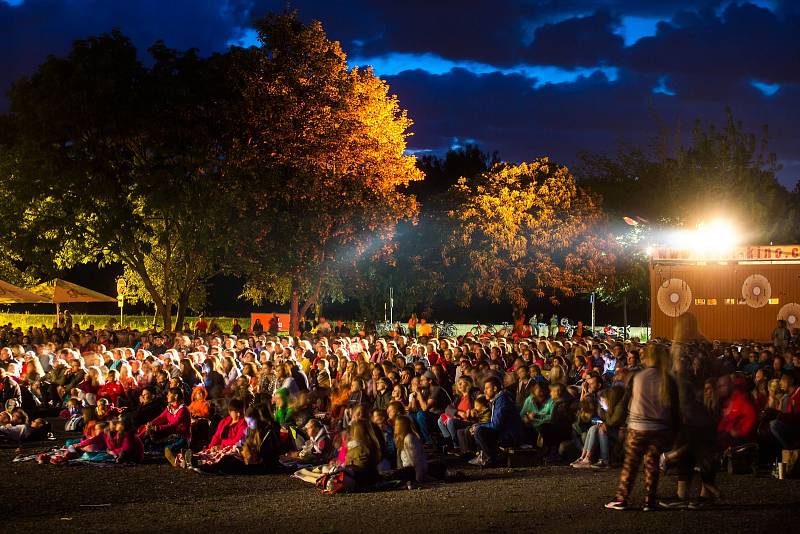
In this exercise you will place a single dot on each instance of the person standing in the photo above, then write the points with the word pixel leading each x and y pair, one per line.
pixel 780 336
pixel 412 325
pixel 653 418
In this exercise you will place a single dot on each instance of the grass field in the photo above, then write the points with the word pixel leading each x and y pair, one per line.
pixel 140 322
pixel 143 322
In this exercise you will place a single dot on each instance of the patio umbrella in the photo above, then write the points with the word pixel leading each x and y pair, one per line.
pixel 60 291
pixel 11 294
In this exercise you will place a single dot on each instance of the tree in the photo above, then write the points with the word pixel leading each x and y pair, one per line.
pixel 113 161
pixel 724 171
pixel 324 151
pixel 414 269
pixel 525 230
pixel 442 173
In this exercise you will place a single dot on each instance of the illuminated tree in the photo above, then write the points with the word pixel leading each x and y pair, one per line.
pixel 525 230
pixel 324 151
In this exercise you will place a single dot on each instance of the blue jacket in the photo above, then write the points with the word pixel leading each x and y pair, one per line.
pixel 505 419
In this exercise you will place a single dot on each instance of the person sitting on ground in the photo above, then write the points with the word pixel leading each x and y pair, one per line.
pixel 172 428
pixel 227 439
pixel 111 388
pixel 318 448
pixel 536 410
pixel 73 415
pixel 786 427
pixel 504 429
pixel 382 424
pixel 21 428
pixel 738 422
pixel 604 426
pixel 103 411
pixel 123 444
pixel 200 407
pixel 149 407
pixel 411 462
pixel 96 443
pixel 363 453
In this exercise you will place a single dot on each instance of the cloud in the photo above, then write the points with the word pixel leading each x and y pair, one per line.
pixel 505 112
pixel 577 41
pixel 743 42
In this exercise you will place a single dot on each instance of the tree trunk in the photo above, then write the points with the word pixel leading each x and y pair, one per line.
pixel 294 310
pixel 166 315
pixel 183 303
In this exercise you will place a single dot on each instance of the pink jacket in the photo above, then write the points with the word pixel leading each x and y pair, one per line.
pixel 174 420
pixel 130 448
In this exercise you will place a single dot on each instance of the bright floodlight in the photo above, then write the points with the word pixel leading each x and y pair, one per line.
pixel 714 237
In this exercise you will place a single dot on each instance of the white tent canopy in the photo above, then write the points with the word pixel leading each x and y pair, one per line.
pixel 11 294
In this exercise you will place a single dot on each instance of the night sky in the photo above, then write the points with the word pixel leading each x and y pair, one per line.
pixel 525 78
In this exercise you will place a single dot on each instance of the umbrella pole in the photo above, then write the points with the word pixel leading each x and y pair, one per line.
pixel 58 314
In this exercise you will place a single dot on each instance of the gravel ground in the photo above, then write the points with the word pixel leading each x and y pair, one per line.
pixel 551 499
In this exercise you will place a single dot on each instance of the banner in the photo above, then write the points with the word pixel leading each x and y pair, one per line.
pixel 745 253
pixel 283 321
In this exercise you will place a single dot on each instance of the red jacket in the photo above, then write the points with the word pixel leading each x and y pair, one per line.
pixel 174 420
pixel 228 433
pixel 111 391
pixel 739 416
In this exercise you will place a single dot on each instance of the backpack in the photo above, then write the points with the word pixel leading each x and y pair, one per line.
pixel 337 481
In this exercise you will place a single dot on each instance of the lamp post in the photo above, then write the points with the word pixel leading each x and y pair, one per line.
pixel 121 288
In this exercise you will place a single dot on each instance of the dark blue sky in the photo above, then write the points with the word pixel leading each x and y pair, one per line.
pixel 526 78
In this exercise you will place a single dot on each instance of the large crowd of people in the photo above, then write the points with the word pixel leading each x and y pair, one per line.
pixel 354 411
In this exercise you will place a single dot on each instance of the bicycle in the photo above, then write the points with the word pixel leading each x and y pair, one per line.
pixel 443 329
pixel 478 329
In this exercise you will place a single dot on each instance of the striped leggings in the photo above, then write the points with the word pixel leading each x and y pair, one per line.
pixel 647 445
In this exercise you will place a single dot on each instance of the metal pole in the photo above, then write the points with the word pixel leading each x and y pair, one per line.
pixel 121 304
pixel 625 316
pixel 592 298
pixel 391 305
pixel 58 314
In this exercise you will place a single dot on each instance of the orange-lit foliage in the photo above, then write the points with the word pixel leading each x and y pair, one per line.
pixel 523 230
pixel 326 144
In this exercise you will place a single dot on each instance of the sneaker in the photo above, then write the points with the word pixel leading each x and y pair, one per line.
pixel 700 503
pixel 650 507
pixel 170 456
pixel 579 462
pixel 478 460
pixel 617 505
pixel 675 504
pixel 600 465
pixel 585 463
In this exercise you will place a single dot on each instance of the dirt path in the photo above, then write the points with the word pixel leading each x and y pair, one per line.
pixel 544 499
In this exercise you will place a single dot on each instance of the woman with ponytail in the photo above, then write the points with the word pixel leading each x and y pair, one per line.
pixel 653 418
